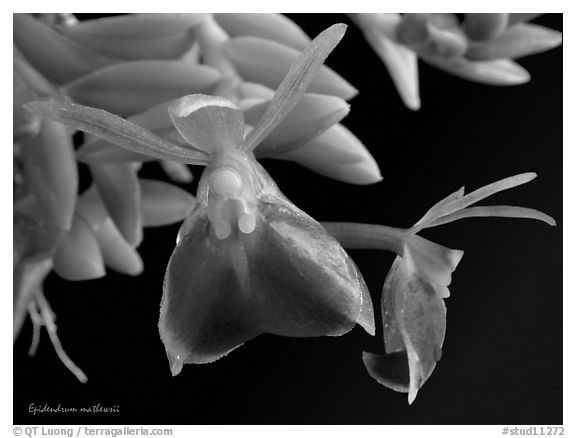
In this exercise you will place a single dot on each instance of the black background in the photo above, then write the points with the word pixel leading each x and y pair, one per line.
pixel 502 361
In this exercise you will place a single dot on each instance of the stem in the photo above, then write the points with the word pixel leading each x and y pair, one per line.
pixel 367 236
pixel 211 37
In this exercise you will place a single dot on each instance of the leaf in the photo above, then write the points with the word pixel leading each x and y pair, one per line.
pixel 50 168
pixel 515 42
pixel 267 62
pixel 483 27
pixel 496 72
pixel 300 76
pixel 211 124
pixel 115 130
pixel 54 55
pixel 401 62
pixel 78 256
pixel 119 189
pixel 163 203
pixel 137 36
pixel 311 117
pixel 116 252
pixel 274 27
pixel 495 211
pixel 132 87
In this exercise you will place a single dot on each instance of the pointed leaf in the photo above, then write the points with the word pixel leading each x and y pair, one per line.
pixel 116 252
pixel 177 172
pixel 119 189
pixel 338 154
pixel 275 27
pixel 163 203
pixel 50 168
pixel 267 62
pixel 520 18
pixel 132 87
pixel 211 124
pixel 78 256
pixel 495 211
pixel 515 42
pixel 401 62
pixel 311 117
pixel 54 55
pixel 483 27
pixel 459 203
pixel 496 72
pixel 300 76
pixel 336 145
pixel 115 130
pixel 137 36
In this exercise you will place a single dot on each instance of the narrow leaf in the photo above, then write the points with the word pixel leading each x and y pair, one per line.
pixel 459 203
pixel 496 72
pixel 163 203
pixel 137 36
pixel 115 130
pixel 301 74
pixel 119 189
pixel 132 87
pixel 78 256
pixel 311 117
pixel 495 211
pixel 517 41
pixel 266 62
pixel 54 55
pixel 116 252
pixel 50 168
pixel 275 27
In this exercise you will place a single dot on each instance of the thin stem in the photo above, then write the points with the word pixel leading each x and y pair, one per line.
pixel 368 236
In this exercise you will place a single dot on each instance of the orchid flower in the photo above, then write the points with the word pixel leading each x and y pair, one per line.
pixel 480 49
pixel 413 310
pixel 247 261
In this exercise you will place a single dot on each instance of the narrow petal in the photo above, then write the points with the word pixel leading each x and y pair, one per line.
pixel 50 168
pixel 483 27
pixel 515 42
pixel 274 27
pixel 78 256
pixel 302 72
pixel 132 87
pixel 495 211
pixel 119 189
pixel 54 55
pixel 210 124
pixel 163 203
pixel 437 210
pixel 460 202
pixel 266 62
pixel 137 36
pixel 116 252
pixel 255 90
pixel 496 72
pixel 115 130
pixel 314 114
pixel 401 62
